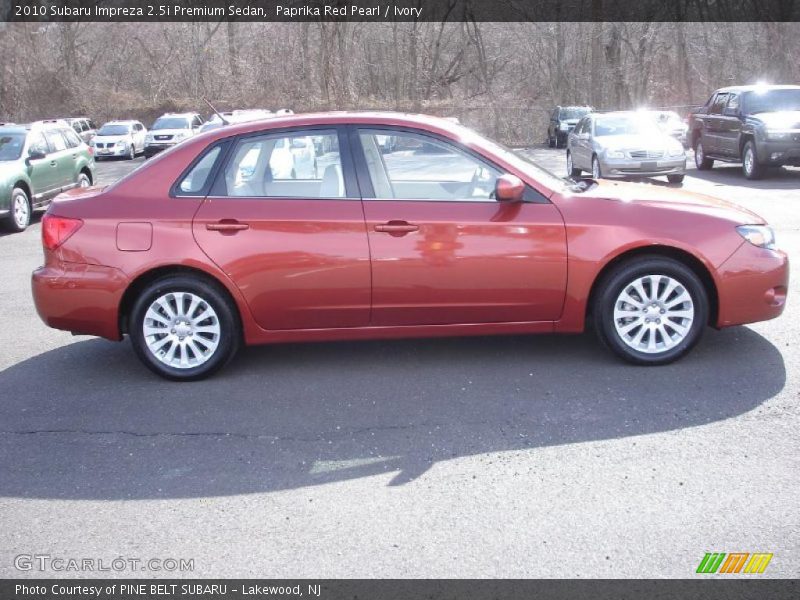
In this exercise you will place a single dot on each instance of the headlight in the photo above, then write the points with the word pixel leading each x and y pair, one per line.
pixel 148 137
pixel 121 143
pixel 758 235
pixel 778 134
pixel 675 150
pixel 615 154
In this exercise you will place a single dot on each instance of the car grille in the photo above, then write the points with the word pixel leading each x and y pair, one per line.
pixel 100 145
pixel 163 138
pixel 646 154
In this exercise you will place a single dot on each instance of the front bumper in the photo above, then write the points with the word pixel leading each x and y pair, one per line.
pixel 111 152
pixel 154 148
pixel 629 167
pixel 777 153
pixel 83 299
pixel 752 285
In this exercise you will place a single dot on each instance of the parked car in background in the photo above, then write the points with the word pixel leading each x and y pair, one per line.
pixel 562 121
pixel 471 240
pixel 294 158
pixel 624 144
pixel 119 138
pixel 38 161
pixel 83 126
pixel 671 123
pixel 170 129
pixel 757 125
pixel 235 116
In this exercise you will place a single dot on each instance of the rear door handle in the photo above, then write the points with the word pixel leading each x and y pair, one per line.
pixel 53 163
pixel 227 226
pixel 396 227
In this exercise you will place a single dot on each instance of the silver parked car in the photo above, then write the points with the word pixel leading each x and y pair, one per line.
pixel 119 138
pixel 624 144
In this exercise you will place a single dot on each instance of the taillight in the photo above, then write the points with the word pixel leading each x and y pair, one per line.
pixel 57 230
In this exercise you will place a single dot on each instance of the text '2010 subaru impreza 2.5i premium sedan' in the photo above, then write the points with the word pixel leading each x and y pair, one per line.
pixel 445 233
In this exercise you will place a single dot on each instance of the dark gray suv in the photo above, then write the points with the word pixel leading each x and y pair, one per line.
pixel 757 125
pixel 562 121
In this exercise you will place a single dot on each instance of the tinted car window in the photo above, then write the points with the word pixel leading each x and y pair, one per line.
pixel 11 145
pixel 772 101
pixel 71 138
pixel 55 140
pixel 196 179
pixel 38 143
pixel 419 167
pixel 719 104
pixel 285 166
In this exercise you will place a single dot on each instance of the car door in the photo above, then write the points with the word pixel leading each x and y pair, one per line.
pixel 41 171
pixel 712 142
pixel 444 251
pixel 578 147
pixel 730 127
pixel 63 158
pixel 297 249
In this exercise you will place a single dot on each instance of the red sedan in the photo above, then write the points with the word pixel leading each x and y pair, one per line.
pixel 355 226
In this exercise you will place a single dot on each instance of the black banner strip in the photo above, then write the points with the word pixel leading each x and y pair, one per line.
pixel 401 10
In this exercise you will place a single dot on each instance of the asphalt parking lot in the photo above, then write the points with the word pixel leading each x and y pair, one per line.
pixel 478 457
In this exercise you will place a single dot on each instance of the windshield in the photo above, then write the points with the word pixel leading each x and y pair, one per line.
pixel 772 101
pixel 574 112
pixel 11 145
pixel 171 123
pixel 625 125
pixel 114 130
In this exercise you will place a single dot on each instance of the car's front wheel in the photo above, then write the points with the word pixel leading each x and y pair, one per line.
pixel 597 173
pixel 184 328
pixel 571 170
pixel 675 178
pixel 650 310
pixel 750 166
pixel 19 217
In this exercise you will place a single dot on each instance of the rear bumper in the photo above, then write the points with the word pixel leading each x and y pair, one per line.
pixel 82 299
pixel 753 285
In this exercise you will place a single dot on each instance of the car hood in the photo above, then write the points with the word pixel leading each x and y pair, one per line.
pixel 634 142
pixel 680 200
pixel 784 119
pixel 105 139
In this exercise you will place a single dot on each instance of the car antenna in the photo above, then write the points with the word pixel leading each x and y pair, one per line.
pixel 216 112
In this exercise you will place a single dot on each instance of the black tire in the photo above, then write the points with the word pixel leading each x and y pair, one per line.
pixel 675 178
pixel 230 335
pixel 572 171
pixel 619 278
pixel 597 172
pixel 550 141
pixel 751 168
pixel 560 141
pixel 18 195
pixel 701 161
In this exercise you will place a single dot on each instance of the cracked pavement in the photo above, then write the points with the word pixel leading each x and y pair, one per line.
pixel 508 456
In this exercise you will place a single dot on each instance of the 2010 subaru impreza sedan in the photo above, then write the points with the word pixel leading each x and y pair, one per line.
pixel 215 244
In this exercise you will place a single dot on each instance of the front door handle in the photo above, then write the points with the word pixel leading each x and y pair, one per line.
pixel 396 228
pixel 227 226
pixel 53 163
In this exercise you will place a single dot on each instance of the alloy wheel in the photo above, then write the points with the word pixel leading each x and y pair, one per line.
pixel 653 313
pixel 748 160
pixel 181 330
pixel 22 211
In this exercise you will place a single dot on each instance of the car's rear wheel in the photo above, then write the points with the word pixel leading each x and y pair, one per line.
pixel 83 180
pixel 184 328
pixel 701 161
pixel 651 310
pixel 675 178
pixel 751 168
pixel 19 217
pixel 571 170
pixel 550 141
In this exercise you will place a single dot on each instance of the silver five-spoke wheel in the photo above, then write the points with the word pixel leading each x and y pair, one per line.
pixel 181 330
pixel 653 313
pixel 22 211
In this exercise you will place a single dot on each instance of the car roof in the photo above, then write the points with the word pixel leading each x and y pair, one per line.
pixel 121 122
pixel 187 115
pixel 756 88
pixel 385 118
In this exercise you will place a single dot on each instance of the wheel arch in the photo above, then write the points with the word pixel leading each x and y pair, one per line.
pixel 687 258
pixel 88 172
pixel 743 139
pixel 141 281
pixel 25 186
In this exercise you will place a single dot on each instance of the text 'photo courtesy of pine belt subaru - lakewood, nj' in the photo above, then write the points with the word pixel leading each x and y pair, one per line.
pixel 443 232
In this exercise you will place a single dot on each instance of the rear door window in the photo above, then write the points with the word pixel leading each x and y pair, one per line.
pixel 55 140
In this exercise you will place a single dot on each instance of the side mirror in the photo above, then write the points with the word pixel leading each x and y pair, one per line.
pixel 36 154
pixel 509 188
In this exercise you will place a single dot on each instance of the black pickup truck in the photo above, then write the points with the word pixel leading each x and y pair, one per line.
pixel 756 125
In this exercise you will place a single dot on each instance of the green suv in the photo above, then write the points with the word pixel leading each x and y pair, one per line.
pixel 37 162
